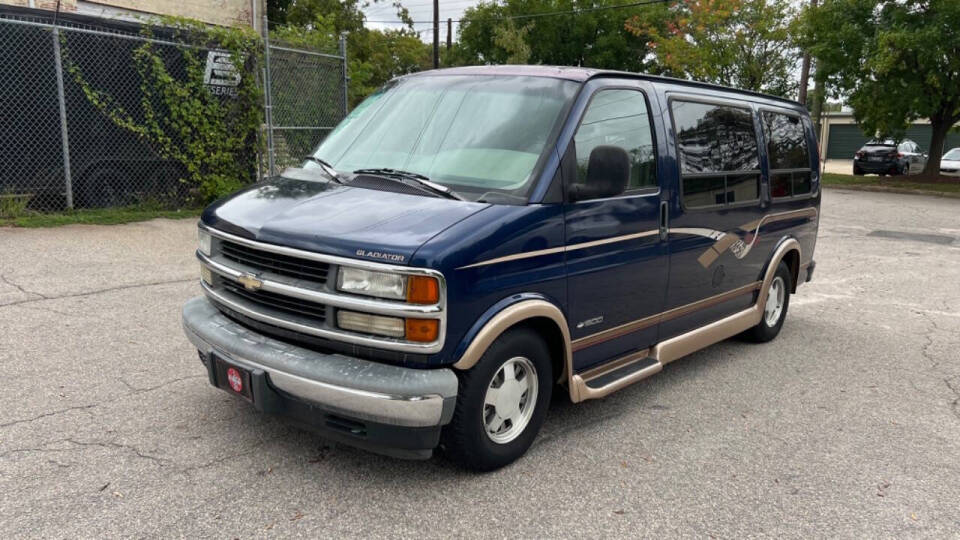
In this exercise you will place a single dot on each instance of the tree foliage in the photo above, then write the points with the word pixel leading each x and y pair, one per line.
pixel 740 43
pixel 591 38
pixel 374 56
pixel 895 60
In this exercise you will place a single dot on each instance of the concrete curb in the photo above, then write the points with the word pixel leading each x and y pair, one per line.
pixel 889 189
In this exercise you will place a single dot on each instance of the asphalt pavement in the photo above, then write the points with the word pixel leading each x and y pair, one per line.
pixel 846 425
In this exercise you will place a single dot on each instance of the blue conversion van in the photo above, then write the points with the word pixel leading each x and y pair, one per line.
pixel 469 241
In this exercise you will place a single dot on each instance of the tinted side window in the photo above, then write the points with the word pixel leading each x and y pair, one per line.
pixel 618 118
pixel 719 159
pixel 788 154
pixel 715 138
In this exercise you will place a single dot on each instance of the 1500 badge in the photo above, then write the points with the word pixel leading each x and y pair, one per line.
pixel 393 257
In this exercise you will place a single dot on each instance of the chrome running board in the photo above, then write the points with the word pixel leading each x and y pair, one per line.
pixel 606 379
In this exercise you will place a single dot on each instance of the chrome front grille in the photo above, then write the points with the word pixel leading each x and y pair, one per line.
pixel 279 302
pixel 275 263
pixel 296 290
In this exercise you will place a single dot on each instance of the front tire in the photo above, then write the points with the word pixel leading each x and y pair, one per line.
pixel 502 402
pixel 775 308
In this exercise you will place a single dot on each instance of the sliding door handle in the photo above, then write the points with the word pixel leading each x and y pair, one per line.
pixel 664 221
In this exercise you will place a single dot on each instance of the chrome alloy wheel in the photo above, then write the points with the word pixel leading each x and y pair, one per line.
pixel 510 400
pixel 775 297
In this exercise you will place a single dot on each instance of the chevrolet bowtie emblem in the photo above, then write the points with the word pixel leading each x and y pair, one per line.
pixel 250 282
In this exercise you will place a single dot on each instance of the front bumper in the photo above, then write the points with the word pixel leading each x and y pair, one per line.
pixel 388 409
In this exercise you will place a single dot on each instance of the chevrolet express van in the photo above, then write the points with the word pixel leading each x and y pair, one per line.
pixel 469 241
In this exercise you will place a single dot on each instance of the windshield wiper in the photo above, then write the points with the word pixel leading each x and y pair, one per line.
pixel 420 179
pixel 327 168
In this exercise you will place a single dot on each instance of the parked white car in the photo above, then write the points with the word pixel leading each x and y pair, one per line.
pixel 950 163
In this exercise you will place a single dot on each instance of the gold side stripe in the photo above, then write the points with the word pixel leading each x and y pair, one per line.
pixel 563 249
pixel 646 322
pixel 752 226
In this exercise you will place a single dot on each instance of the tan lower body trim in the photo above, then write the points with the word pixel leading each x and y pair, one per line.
pixel 676 347
pixel 646 322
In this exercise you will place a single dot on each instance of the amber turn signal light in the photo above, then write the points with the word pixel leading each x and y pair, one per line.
pixel 423 330
pixel 423 290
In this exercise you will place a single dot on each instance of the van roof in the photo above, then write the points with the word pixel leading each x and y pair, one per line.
pixel 582 74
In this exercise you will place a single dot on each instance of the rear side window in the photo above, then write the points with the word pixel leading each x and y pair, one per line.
pixel 619 117
pixel 788 154
pixel 719 159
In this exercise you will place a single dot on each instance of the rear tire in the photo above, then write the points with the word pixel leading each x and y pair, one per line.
pixel 502 402
pixel 775 309
pixel 857 171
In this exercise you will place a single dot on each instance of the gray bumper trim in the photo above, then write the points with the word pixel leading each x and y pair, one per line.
pixel 351 386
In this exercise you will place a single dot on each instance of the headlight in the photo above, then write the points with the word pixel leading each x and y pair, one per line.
pixel 203 242
pixel 413 289
pixel 380 284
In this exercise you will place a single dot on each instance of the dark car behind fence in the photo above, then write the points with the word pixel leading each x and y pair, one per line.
pixel 59 150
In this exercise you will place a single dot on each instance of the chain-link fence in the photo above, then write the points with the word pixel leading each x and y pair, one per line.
pixel 306 97
pixel 77 109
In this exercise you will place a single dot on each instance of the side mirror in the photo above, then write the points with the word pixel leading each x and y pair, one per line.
pixel 608 172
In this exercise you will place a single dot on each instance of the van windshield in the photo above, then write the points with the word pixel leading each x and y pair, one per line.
pixel 471 133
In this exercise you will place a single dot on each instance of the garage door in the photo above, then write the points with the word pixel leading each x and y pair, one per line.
pixel 846 139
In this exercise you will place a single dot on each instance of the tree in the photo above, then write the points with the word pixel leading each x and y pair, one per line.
pixel 895 60
pixel 345 15
pixel 512 39
pixel 492 33
pixel 373 56
pixel 740 43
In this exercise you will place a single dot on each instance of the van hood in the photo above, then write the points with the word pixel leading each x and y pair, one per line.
pixel 325 217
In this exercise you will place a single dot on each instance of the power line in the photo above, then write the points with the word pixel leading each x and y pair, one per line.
pixel 547 14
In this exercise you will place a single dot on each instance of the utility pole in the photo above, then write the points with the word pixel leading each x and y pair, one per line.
pixel 436 34
pixel 449 32
pixel 805 70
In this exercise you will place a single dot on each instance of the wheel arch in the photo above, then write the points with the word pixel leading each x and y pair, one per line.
pixel 523 310
pixel 792 258
pixel 787 250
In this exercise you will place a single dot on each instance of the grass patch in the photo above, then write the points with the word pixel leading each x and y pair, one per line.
pixel 97 216
pixel 846 180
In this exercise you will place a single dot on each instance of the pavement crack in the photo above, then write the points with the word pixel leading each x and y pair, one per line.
pixel 92 293
pixel 127 447
pixel 955 404
pixel 47 415
pixel 20 288
pixel 138 390
pixel 110 445
pixel 134 391
pixel 224 459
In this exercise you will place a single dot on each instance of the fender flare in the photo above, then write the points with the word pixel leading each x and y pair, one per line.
pixel 786 245
pixel 502 316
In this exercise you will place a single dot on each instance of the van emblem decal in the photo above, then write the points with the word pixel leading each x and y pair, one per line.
pixel 250 282
pixel 392 257
pixel 590 322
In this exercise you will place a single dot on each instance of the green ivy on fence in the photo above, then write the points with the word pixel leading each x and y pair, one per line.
pixel 214 137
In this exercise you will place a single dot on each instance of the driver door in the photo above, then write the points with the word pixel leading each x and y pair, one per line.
pixel 617 261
